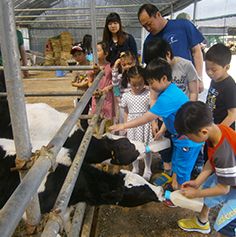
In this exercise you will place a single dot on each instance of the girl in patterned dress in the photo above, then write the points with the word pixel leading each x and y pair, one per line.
pixel 136 102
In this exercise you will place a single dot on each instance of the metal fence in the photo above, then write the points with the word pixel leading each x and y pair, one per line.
pixel 12 212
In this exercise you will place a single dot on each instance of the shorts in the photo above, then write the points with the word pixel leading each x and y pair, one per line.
pixel 226 220
pixel 116 90
pixel 183 161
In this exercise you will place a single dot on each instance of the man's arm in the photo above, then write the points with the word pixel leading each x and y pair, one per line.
pixel 198 62
pixel 24 59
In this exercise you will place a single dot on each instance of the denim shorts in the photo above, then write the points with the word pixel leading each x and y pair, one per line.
pixel 226 220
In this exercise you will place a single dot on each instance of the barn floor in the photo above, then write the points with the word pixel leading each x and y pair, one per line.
pixel 152 219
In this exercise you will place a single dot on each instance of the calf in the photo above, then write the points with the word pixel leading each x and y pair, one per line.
pixel 93 186
pixel 44 121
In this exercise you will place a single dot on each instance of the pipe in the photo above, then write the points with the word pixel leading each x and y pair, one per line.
pixel 51 68
pixel 53 225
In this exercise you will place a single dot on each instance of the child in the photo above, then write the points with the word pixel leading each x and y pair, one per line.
pixel 194 119
pixel 125 61
pixel 221 96
pixel 158 75
pixel 87 43
pixel 79 77
pixel 136 102
pixel 184 75
pixel 105 84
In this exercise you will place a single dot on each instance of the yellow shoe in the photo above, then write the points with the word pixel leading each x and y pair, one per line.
pixel 194 225
pixel 162 180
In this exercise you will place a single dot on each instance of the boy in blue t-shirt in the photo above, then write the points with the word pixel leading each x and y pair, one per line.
pixel 170 99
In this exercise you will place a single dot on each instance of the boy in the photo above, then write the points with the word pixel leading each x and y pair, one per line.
pixel 158 75
pixel 194 119
pixel 184 75
pixel 221 96
pixel 80 78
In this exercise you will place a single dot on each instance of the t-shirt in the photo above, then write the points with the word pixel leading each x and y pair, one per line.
pixel 20 42
pixel 182 36
pixel 221 97
pixel 166 106
pixel 183 72
pixel 223 156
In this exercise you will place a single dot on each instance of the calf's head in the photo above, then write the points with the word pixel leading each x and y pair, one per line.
pixel 123 152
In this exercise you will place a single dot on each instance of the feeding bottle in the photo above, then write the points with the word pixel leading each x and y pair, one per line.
pixel 194 204
pixel 158 145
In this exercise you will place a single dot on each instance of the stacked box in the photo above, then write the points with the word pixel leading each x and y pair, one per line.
pixel 49 58
pixel 66 41
pixel 65 55
pixel 56 44
pixel 57 56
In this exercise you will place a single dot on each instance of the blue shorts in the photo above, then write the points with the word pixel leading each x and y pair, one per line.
pixel 226 220
pixel 116 90
pixel 183 161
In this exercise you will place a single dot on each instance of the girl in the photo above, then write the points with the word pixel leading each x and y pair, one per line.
pixel 118 40
pixel 136 102
pixel 105 85
pixel 87 42
pixel 119 82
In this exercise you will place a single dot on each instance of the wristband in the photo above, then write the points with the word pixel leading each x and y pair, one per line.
pixel 200 78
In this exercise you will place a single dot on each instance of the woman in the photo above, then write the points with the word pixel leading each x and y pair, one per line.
pixel 118 40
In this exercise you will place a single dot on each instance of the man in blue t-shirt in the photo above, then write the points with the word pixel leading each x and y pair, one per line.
pixel 182 35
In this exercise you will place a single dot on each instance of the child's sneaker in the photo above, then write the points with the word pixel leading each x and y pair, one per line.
pixel 194 225
pixel 162 180
pixel 169 203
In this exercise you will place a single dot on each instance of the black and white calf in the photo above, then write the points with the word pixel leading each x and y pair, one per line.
pixel 44 121
pixel 93 186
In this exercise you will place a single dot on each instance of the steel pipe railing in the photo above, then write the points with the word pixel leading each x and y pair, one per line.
pixel 50 68
pixel 12 211
pixel 52 227
pixel 13 79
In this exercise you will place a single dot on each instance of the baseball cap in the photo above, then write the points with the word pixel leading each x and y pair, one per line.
pixel 77 47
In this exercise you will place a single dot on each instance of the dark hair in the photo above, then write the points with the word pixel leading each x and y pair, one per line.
pixel 105 46
pixel 158 68
pixel 192 117
pixel 125 54
pixel 87 40
pixel 149 8
pixel 77 47
pixel 157 48
pixel 219 54
pixel 132 72
pixel 107 35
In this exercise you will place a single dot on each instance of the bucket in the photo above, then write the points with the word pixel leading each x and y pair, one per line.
pixel 60 73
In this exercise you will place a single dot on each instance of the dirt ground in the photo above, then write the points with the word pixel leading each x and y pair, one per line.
pixel 152 219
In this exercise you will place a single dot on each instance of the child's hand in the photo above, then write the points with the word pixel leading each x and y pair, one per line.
pixel 117 127
pixel 190 184
pixel 159 135
pixel 125 132
pixel 189 192
pixel 116 64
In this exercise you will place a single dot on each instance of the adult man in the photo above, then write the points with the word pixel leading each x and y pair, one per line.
pixel 23 57
pixel 181 34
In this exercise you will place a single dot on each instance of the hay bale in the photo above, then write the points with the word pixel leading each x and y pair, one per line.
pixel 49 58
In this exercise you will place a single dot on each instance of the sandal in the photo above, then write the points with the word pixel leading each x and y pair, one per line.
pixel 147 175
pixel 162 180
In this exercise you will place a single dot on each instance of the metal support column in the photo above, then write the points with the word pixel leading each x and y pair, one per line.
pixel 94 30
pixel 14 84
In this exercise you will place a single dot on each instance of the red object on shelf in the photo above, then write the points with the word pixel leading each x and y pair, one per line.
pixel 48 47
